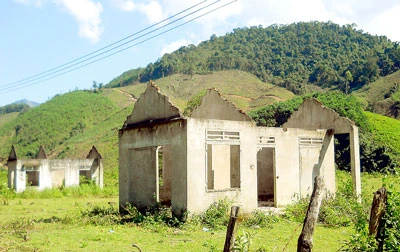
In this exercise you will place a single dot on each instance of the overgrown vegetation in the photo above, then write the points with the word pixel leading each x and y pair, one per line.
pixel 389 231
pixel 294 56
pixel 18 107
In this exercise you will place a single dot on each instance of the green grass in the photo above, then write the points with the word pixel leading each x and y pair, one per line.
pixel 58 221
pixel 53 225
pixel 7 117
pixel 386 130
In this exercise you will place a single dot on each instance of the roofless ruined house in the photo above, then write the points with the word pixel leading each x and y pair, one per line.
pixel 219 152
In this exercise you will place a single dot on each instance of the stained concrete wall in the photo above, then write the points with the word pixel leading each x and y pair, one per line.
pixel 199 196
pixel 137 164
pixel 288 154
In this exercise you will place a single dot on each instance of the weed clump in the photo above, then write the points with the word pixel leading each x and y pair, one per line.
pixel 260 219
pixel 217 214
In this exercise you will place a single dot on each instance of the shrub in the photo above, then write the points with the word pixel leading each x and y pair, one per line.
pixel 339 210
pixel 217 214
pixel 389 231
pixel 260 219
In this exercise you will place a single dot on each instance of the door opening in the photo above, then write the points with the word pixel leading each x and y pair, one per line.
pixel 266 188
pixel 164 175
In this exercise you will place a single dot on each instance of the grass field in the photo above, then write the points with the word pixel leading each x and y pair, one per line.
pixel 55 225
pixel 61 220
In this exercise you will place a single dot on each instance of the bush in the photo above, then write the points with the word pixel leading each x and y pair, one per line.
pixel 389 231
pixel 341 209
pixel 260 219
pixel 217 214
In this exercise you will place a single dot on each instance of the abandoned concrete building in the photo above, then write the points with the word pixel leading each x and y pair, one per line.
pixel 218 152
pixel 44 173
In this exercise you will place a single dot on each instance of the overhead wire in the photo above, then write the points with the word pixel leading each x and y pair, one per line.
pixel 29 78
pixel 44 76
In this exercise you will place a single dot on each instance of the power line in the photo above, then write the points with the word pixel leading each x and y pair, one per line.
pixel 113 53
pixel 39 77
pixel 85 58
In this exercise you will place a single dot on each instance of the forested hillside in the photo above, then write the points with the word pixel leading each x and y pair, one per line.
pixel 301 57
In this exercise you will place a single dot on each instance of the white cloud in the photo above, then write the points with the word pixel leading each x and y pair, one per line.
pixel 174 46
pixel 124 5
pixel 153 11
pixel 386 24
pixel 87 14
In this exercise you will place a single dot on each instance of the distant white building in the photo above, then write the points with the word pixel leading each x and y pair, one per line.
pixel 44 173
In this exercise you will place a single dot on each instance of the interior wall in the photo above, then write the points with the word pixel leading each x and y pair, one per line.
pixel 308 168
pixel 143 168
pixel 165 192
pixel 235 166
pixel 265 173
pixel 57 177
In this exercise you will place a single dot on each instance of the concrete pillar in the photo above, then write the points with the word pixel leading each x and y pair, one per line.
pixel 355 161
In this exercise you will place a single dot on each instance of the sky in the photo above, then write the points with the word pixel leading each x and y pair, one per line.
pixel 40 35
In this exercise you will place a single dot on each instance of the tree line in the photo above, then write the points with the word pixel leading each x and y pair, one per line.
pixel 299 56
pixel 14 108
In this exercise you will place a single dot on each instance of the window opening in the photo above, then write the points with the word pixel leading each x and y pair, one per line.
pixel 85 177
pixel 223 166
pixel 223 135
pixel 32 175
pixel 310 141
pixel 266 140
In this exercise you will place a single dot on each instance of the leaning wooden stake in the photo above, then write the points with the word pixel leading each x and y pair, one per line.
pixel 305 242
pixel 231 230
pixel 378 210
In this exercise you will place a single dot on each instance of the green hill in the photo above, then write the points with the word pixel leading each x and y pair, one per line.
pixel 301 57
pixel 382 96
pixel 180 88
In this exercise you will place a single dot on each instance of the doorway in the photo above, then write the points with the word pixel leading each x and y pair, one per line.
pixel 164 175
pixel 266 187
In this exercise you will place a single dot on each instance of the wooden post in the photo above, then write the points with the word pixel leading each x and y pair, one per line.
pixel 231 230
pixel 305 243
pixel 378 210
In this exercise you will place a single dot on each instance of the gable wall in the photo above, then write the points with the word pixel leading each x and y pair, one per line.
pixel 313 115
pixel 151 106
pixel 214 107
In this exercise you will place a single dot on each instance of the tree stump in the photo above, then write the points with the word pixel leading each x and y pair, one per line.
pixel 305 242
pixel 378 210
pixel 231 230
